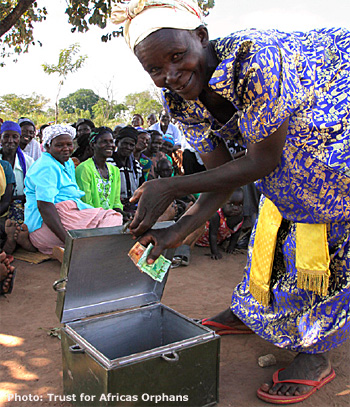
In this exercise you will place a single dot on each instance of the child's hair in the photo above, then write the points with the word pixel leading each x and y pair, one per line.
pixel 160 168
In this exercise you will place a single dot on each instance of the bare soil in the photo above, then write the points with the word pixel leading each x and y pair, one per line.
pixel 30 358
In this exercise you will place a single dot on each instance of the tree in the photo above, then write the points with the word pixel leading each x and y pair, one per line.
pixel 83 99
pixel 14 106
pixel 105 111
pixel 107 108
pixel 83 14
pixel 65 66
pixel 142 103
pixel 17 18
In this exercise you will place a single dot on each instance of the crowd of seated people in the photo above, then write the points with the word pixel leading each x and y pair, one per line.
pixel 79 176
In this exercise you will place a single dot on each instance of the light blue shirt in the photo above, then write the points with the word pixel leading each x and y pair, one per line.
pixel 50 181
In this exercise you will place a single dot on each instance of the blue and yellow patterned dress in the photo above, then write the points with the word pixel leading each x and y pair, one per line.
pixel 269 76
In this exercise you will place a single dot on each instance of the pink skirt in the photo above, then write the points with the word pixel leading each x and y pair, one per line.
pixel 73 218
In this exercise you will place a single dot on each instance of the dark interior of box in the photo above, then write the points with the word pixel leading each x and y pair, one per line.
pixel 119 335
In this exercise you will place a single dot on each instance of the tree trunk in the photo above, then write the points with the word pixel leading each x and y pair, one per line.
pixel 7 23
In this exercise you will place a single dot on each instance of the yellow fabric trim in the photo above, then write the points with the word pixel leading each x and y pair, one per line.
pixel 263 253
pixel 312 258
pixel 2 181
pixel 312 255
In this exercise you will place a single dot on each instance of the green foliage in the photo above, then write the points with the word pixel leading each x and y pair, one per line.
pixel 84 13
pixel 65 65
pixel 17 18
pixel 15 106
pixel 83 99
pixel 142 103
pixel 105 110
pixel 17 30
pixel 205 5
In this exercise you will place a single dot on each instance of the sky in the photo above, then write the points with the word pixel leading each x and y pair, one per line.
pixel 112 67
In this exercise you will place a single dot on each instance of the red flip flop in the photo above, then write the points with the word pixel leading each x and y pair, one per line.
pixel 222 329
pixel 280 399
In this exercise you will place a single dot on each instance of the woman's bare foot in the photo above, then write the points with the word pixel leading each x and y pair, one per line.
pixel 304 366
pixel 22 238
pixel 10 230
pixel 6 274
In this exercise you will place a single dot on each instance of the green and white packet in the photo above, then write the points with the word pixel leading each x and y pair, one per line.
pixel 158 269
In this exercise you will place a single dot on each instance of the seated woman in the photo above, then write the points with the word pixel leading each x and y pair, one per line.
pixel 131 174
pixel 143 140
pixel 153 151
pixel 20 162
pixel 98 179
pixel 54 202
pixel 175 154
pixel 84 128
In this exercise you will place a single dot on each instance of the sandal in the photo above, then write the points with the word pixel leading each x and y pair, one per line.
pixel 179 261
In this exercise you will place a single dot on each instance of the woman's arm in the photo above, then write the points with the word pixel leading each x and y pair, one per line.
pixel 215 185
pixel 51 218
pixel 83 178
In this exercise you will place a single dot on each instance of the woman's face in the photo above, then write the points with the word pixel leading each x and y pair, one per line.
pixel 61 148
pixel 104 145
pixel 10 141
pixel 27 134
pixel 176 60
pixel 167 147
pixel 143 140
pixel 126 146
pixel 136 121
pixel 83 130
pixel 156 143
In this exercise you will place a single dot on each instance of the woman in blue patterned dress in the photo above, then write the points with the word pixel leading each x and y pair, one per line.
pixel 286 98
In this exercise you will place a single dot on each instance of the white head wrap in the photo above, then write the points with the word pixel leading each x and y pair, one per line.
pixel 51 132
pixel 143 17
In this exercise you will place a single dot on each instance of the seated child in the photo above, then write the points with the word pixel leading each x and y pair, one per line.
pixel 224 224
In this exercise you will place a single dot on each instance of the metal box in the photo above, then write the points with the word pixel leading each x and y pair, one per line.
pixel 120 345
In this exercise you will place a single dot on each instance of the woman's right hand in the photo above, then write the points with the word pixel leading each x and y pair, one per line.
pixel 153 199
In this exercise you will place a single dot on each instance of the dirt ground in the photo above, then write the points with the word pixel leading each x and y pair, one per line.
pixel 30 358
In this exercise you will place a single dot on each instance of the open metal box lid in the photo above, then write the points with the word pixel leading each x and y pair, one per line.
pixel 97 275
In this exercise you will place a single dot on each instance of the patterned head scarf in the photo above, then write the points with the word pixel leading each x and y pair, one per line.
pixel 51 132
pixel 143 17
pixel 96 133
pixel 169 138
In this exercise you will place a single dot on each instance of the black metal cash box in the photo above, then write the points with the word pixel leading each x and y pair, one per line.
pixel 120 345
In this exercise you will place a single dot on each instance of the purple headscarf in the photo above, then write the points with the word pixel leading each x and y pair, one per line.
pixel 12 126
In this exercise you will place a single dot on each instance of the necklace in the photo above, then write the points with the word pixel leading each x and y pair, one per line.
pixel 103 186
pixel 100 171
